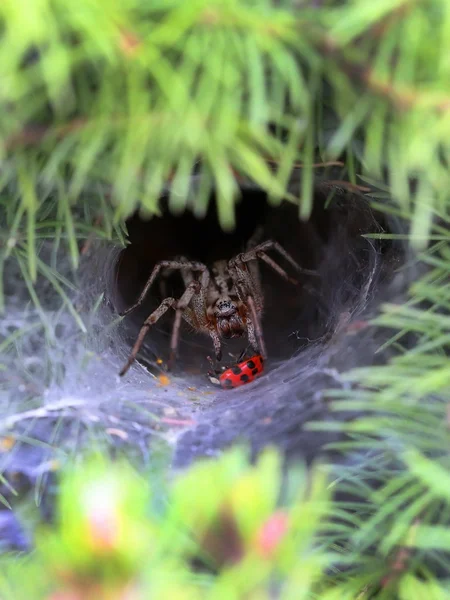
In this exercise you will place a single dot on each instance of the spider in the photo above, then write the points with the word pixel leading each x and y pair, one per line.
pixel 226 303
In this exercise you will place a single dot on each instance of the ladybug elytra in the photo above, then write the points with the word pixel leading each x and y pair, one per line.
pixel 242 373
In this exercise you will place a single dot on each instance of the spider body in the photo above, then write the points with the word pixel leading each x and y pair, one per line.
pixel 225 303
pixel 229 317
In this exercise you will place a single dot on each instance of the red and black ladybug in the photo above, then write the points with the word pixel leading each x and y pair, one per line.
pixel 240 373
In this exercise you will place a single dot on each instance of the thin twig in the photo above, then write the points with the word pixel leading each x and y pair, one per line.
pixel 40 413
pixel 403 98
pixel 400 560
pixel 181 422
pixel 301 165
pixel 32 135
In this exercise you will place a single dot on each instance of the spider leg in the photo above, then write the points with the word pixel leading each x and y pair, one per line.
pixel 186 274
pixel 199 301
pixel 253 264
pixel 149 321
pixel 244 282
pixel 276 267
pixel 261 249
pixel 252 297
pixel 248 287
pixel 181 306
pixel 192 289
pixel 217 343
pixel 199 304
pixel 164 264
pixel 255 334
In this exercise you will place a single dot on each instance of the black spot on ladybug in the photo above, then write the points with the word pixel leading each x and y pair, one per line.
pixel 255 372
pixel 228 383
pixel 236 370
pixel 251 364
pixel 244 378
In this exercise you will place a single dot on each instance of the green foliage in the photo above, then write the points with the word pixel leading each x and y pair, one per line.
pixel 110 540
pixel 136 96
pixel 403 427
pixel 224 531
pixel 104 107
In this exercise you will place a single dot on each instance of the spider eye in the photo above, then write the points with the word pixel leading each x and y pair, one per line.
pixel 225 308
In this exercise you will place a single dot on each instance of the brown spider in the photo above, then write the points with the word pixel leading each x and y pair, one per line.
pixel 227 305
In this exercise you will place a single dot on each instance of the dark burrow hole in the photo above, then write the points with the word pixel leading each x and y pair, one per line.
pixel 329 243
pixel 313 330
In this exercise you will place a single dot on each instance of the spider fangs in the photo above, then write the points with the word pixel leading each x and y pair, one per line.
pixel 227 304
pixel 229 322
